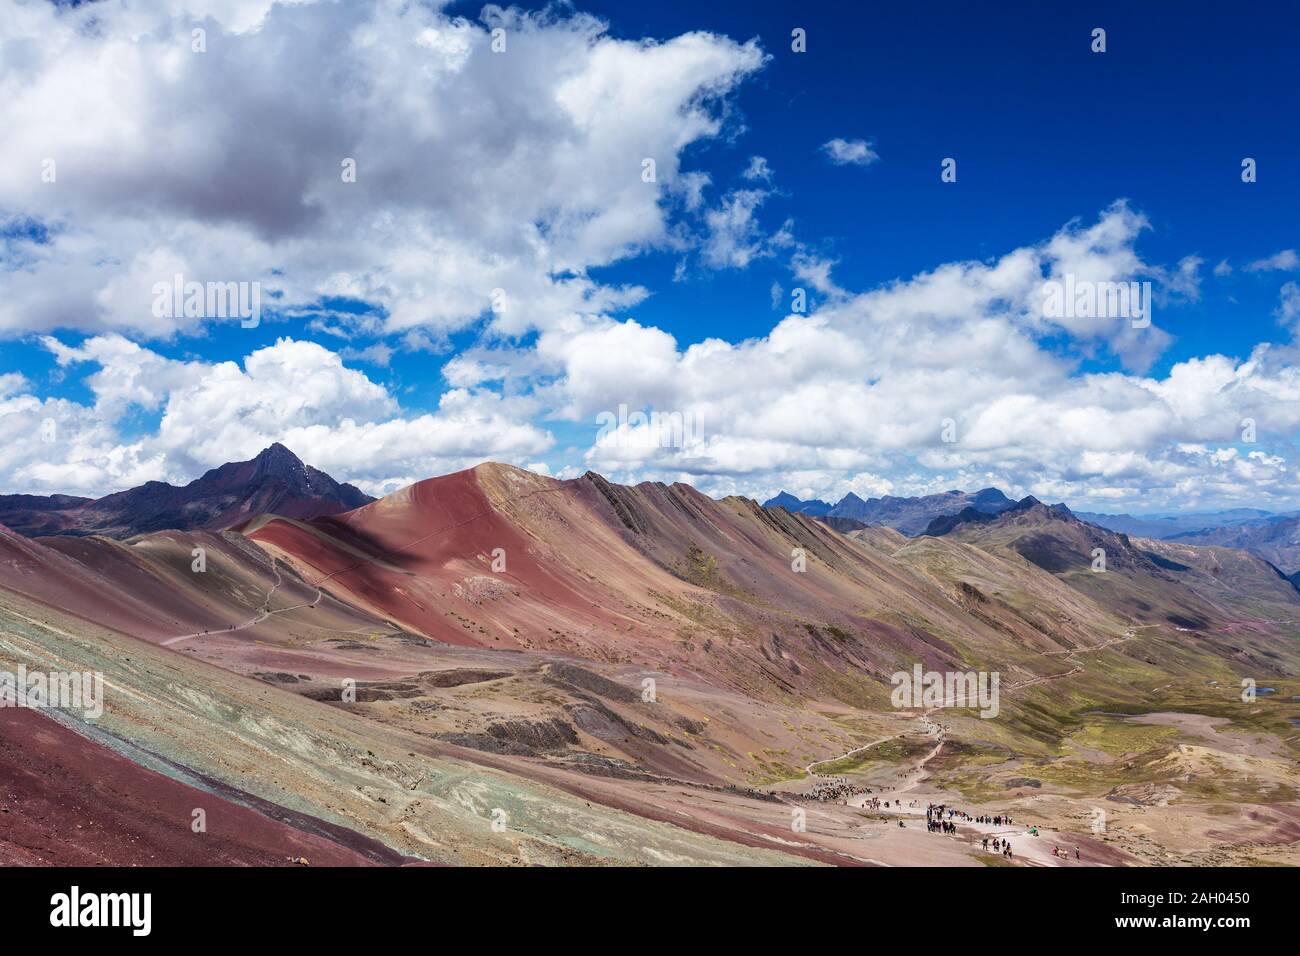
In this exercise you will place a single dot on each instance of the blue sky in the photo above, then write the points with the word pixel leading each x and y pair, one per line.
pixel 1044 131
pixel 1047 136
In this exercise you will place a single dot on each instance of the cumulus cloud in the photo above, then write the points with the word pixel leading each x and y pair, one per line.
pixel 295 392
pixel 475 170
pixel 734 236
pixel 1288 310
pixel 951 378
pixel 815 271
pixel 492 187
pixel 873 384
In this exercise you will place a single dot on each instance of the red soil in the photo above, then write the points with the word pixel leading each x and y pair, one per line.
pixel 426 542
pixel 618 574
pixel 68 801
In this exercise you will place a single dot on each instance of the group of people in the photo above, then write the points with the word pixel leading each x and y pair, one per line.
pixel 938 811
pixel 999 846
pixel 834 789
pixel 939 818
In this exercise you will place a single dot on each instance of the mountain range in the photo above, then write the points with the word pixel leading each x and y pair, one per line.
pixel 276 481
pixel 1273 537
pixel 628 674
pixel 1167 526
pixel 911 516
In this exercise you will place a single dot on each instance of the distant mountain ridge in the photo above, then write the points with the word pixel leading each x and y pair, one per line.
pixel 1167 526
pixel 274 482
pixel 814 506
pixel 911 516
pixel 972 515
pixel 1151 580
pixel 1273 537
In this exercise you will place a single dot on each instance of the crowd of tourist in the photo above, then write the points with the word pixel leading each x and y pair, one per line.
pixel 939 817
pixel 834 789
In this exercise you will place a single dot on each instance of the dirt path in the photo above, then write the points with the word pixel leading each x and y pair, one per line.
pixel 930 728
pixel 1025 847
pixel 263 612
pixel 849 753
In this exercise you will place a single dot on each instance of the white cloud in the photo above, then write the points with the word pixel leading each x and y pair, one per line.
pixel 1288 310
pixel 295 392
pixel 475 170
pixel 126 374
pixel 864 385
pixel 522 172
pixel 376 354
pixel 12 383
pixel 734 236
pixel 1285 261
pixel 850 152
pixel 853 396
pixel 815 271
pixel 1183 282
pixel 776 293
pixel 758 170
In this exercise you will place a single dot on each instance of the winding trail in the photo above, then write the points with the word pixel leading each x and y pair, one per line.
pixel 931 728
pixel 849 753
pixel 264 612
pixel 1069 655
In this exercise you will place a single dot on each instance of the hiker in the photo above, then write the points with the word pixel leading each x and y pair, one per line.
pixel 1076 854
